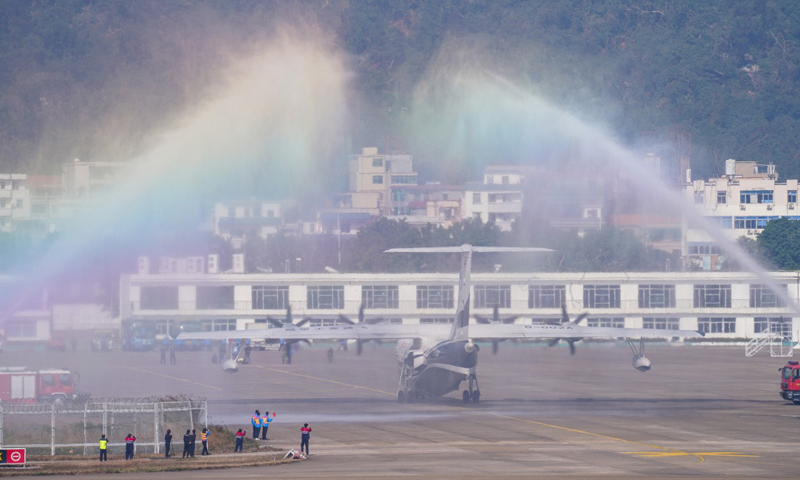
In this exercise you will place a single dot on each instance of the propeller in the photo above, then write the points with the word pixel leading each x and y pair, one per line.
pixel 495 319
pixel 564 320
pixel 280 323
pixel 361 319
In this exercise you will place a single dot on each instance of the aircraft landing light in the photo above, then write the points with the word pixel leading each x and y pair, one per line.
pixel 661 452
pixel 335 382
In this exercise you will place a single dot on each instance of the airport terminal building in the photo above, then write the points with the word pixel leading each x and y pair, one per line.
pixel 731 305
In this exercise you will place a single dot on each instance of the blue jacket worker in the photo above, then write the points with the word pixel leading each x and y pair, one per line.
pixel 256 421
pixel 265 421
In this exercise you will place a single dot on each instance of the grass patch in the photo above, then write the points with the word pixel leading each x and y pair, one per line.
pixel 70 465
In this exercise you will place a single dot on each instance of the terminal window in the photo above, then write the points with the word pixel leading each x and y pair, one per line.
pixel 607 322
pixel 712 296
pixel 490 296
pixel 379 296
pixel 546 296
pixel 601 296
pixel 270 298
pixel 215 298
pixel 656 296
pixel 660 323
pixel 435 296
pixel 159 298
pixel 777 325
pixel 325 297
pixel 762 296
pixel 717 325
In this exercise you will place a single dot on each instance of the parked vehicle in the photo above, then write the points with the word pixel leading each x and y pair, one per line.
pixel 139 335
pixel 790 382
pixel 103 342
pixel 18 384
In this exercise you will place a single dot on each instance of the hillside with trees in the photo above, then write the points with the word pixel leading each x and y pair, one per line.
pixel 97 79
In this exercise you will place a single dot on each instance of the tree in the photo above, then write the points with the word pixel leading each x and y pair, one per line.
pixel 779 243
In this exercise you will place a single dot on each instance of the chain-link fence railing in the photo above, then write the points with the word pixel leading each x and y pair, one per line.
pixel 77 427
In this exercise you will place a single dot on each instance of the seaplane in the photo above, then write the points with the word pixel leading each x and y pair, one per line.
pixel 434 360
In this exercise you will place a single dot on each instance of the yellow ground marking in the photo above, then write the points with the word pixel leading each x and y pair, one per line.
pixel 172 377
pixel 328 380
pixel 660 453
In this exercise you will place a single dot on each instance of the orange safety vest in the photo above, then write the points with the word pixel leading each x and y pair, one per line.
pixel 256 421
pixel 204 436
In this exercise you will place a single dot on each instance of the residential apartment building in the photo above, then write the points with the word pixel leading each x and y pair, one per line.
pixel 432 203
pixel 234 220
pixel 372 176
pixel 498 198
pixel 740 203
pixel 15 202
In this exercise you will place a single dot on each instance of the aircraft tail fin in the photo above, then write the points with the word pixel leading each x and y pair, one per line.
pixel 460 329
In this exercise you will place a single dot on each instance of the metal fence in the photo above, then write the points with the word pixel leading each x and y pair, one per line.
pixel 79 426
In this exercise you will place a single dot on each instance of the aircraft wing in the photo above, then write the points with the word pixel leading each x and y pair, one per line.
pixel 514 331
pixel 338 332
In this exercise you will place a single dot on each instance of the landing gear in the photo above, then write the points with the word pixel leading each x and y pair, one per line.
pixel 405 392
pixel 474 392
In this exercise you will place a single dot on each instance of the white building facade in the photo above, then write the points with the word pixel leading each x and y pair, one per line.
pixel 498 198
pixel 15 201
pixel 731 305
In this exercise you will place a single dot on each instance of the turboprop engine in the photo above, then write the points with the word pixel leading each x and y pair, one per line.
pixel 641 363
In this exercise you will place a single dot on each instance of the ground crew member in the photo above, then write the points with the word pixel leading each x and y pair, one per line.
pixel 239 440
pixel 163 354
pixel 204 438
pixel 247 350
pixel 192 442
pixel 129 446
pixel 256 421
pixel 172 360
pixel 167 442
pixel 305 436
pixel 103 448
pixel 265 421
pixel 187 441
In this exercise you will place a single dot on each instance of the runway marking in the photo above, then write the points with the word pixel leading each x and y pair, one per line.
pixel 663 451
pixel 171 377
pixel 700 455
pixel 328 380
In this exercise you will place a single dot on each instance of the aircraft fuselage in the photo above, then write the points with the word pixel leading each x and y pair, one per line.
pixel 443 367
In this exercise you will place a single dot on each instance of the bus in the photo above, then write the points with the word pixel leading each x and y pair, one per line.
pixel 138 335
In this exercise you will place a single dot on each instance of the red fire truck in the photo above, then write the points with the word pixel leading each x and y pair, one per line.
pixel 20 385
pixel 790 382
